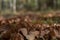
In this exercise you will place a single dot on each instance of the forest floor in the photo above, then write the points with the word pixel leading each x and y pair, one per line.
pixel 30 25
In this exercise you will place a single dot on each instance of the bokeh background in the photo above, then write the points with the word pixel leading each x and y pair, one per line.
pixel 36 8
pixel 29 5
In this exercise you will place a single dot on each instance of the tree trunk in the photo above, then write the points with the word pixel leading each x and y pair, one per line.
pixel 14 6
pixel 0 5
pixel 55 3
pixel 39 5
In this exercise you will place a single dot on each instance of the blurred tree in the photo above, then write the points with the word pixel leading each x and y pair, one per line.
pixel 14 6
pixel 39 5
pixel 58 3
pixel 50 3
pixel 30 4
pixel 2 4
pixel 43 4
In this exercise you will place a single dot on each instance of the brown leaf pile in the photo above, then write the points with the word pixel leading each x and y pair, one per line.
pixel 21 28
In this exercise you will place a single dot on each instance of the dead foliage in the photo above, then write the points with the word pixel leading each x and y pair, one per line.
pixel 21 28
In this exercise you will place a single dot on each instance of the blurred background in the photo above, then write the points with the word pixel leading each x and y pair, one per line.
pixel 9 6
pixel 24 7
